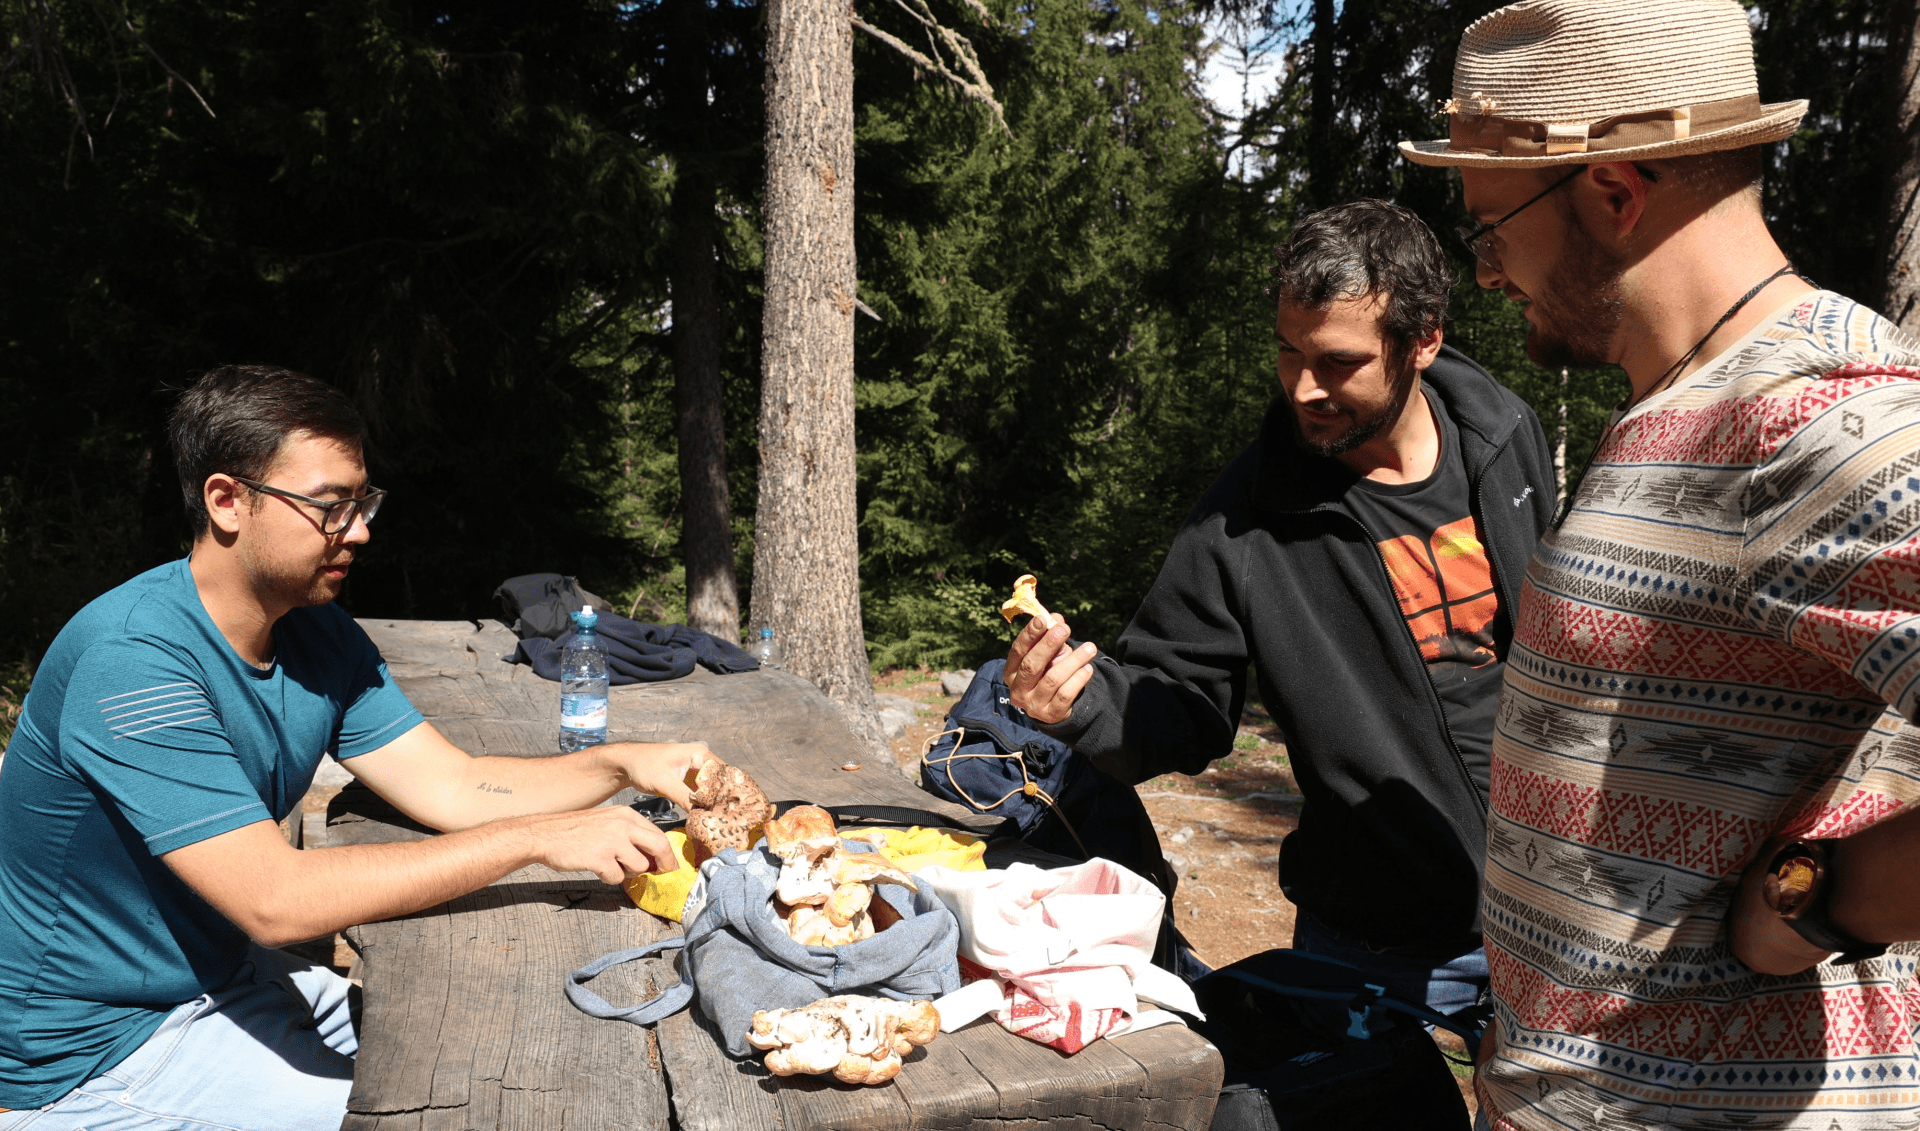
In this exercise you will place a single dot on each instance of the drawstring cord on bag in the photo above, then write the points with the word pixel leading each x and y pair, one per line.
pixel 1028 786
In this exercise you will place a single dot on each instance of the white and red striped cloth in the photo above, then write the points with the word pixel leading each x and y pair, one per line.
pixel 1062 956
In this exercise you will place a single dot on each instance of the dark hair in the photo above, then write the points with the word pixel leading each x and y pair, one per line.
pixel 1368 247
pixel 235 419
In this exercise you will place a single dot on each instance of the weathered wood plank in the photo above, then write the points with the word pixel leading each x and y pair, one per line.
pixel 712 1091
pixel 1184 1073
pixel 465 1012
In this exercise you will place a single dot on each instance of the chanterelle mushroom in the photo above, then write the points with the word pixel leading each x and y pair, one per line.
pixel 726 808
pixel 1024 601
pixel 858 1039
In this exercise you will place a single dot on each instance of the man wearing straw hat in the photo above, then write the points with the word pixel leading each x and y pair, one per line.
pixel 1698 845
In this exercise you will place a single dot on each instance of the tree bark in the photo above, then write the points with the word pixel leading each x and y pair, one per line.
pixel 706 524
pixel 806 579
pixel 1900 262
pixel 1560 447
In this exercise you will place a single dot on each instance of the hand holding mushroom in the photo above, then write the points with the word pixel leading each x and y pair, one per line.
pixel 1043 675
pixel 728 808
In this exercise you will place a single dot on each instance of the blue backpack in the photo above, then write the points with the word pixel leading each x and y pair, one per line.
pixel 993 760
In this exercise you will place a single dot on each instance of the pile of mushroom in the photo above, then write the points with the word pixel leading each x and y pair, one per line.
pixel 825 893
pixel 858 1039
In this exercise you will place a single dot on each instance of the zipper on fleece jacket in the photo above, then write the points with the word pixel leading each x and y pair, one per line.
pixel 1506 595
pixel 1433 693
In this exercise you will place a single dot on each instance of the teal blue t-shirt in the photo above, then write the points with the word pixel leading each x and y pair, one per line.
pixel 146 732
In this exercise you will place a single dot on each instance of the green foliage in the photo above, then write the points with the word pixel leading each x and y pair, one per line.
pixel 1073 339
pixel 457 214
pixel 1828 186
pixel 16 679
pixel 450 214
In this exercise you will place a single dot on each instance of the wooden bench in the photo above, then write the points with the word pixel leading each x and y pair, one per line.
pixel 464 1023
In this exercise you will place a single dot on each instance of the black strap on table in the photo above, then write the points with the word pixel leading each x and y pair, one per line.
pixel 847 816
pixel 871 815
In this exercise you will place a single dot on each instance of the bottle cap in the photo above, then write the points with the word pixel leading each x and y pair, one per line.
pixel 766 634
pixel 586 618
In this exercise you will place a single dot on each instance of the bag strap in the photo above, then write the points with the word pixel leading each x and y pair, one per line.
pixel 671 1000
pixel 863 815
pixel 1468 1024
pixel 1002 747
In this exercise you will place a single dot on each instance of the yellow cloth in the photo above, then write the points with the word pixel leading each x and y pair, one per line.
pixel 916 848
pixel 665 893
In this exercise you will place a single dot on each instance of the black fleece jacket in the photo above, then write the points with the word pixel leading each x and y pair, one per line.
pixel 1274 570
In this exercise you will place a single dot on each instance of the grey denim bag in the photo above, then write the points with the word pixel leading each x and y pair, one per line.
pixel 739 957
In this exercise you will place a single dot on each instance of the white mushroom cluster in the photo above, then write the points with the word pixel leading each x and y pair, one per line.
pixel 861 1040
pixel 825 894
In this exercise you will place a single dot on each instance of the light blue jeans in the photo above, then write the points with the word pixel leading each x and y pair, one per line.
pixel 272 1050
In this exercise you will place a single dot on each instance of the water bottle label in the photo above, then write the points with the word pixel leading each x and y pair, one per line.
pixel 583 712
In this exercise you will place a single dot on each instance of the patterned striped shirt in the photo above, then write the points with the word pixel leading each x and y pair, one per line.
pixel 1705 656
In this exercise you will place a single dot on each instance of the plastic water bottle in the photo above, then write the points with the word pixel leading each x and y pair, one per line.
pixel 583 686
pixel 766 650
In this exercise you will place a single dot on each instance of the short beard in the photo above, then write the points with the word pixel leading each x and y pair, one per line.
pixel 292 590
pixel 1405 379
pixel 1577 314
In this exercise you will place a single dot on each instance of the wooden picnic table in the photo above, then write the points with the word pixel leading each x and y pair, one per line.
pixel 465 1027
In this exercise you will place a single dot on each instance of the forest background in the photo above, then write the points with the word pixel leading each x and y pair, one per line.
pixel 461 215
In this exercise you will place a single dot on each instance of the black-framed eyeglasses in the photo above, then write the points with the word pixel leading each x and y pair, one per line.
pixel 1486 250
pixel 336 514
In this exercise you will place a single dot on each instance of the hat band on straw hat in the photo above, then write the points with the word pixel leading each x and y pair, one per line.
pixel 1510 137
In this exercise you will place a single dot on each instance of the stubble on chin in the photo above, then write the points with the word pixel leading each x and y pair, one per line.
pixel 1360 431
pixel 1576 315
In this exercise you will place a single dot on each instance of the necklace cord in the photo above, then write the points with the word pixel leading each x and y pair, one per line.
pixel 1673 371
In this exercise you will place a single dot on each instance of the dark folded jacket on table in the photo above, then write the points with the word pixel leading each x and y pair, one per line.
pixel 638 652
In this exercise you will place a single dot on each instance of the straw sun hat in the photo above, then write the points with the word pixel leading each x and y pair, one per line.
pixel 1554 82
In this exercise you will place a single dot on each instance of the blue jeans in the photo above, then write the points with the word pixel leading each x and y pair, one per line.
pixel 272 1050
pixel 1446 979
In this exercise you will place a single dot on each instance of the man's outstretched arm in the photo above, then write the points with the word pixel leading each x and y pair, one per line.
pixel 438 784
pixel 500 814
pixel 278 894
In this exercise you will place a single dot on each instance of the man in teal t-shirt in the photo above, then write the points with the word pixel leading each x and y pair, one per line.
pixel 172 723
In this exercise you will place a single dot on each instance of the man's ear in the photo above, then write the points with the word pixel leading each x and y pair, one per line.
pixel 222 494
pixel 1426 349
pixel 1618 192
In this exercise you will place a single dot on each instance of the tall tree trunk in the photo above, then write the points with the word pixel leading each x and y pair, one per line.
pixel 1560 448
pixel 806 578
pixel 706 523
pixel 1320 157
pixel 1900 262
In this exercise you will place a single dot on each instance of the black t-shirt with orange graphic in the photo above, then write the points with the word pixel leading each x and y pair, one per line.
pixel 1431 545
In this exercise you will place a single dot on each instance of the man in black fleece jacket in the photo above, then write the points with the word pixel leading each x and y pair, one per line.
pixel 1364 556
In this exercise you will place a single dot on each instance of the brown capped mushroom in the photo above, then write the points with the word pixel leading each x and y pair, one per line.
pixel 727 808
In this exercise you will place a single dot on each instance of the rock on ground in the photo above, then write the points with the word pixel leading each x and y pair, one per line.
pixel 954 684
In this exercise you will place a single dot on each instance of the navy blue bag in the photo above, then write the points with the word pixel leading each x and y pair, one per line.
pixel 1310 1045
pixel 991 759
